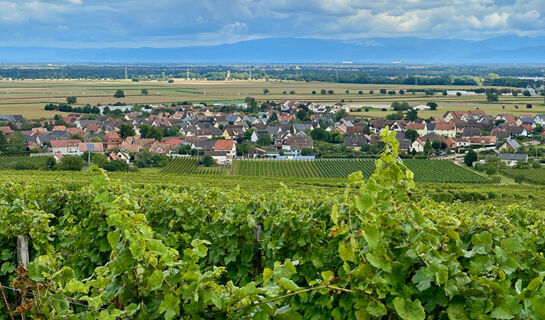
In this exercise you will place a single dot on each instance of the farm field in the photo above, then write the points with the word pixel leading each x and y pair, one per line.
pixel 27 97
pixel 476 193
pixel 278 248
pixel 424 170
pixel 531 176
pixel 11 162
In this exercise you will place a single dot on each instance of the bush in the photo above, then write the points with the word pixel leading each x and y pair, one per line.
pixel 519 178
pixel 208 161
pixel 116 165
pixel 71 163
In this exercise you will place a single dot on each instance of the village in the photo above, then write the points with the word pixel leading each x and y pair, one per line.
pixel 284 130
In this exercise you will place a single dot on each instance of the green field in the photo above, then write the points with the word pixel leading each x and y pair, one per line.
pixel 532 176
pixel 27 97
pixel 152 246
pixel 22 162
pixel 424 170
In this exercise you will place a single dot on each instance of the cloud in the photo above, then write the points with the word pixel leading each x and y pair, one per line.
pixel 104 23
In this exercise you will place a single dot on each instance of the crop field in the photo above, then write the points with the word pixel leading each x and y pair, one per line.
pixel 27 97
pixel 191 166
pixel 532 176
pixel 15 162
pixel 424 170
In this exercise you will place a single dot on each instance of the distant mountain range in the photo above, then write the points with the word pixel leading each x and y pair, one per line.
pixel 510 49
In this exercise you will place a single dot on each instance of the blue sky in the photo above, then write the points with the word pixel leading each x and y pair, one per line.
pixel 172 23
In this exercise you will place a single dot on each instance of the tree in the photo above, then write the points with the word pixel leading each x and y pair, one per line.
pixel 144 92
pixel 360 92
pixel 98 158
pixel 266 91
pixel 340 114
pixel 126 130
pixel 95 139
pixel 371 91
pixel 292 92
pixel 429 92
pixel 529 106
pixel 119 94
pixel 411 134
pixel 347 91
pixel 432 105
pixel 313 91
pixel 71 163
pixel 3 142
pixel 458 94
pixel 519 178
pixel 427 148
pixel 330 91
pixel 17 143
pixel 170 80
pixel 208 161
pixel 437 144
pixel 320 134
pixel 491 96
pixel 273 117
pixel 116 165
pixel 264 140
pixel 323 91
pixel 470 157
pixel 77 136
pixel 71 100
pixel 526 93
pixel 303 115
pixel 382 91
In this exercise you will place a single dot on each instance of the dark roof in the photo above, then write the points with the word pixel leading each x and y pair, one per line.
pixel 355 141
pixel 471 131
pixel 513 156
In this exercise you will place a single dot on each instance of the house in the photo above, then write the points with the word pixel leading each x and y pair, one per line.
pixel 296 144
pixel 355 142
pixel 507 118
pixel 65 147
pixel 228 146
pixel 123 155
pixel 257 152
pixel 540 119
pixel 446 129
pixel 509 144
pixel 233 132
pixel 421 107
pixel 6 130
pixel 206 145
pixel 112 141
pixel 159 148
pixel 419 127
pixel 91 147
pixel 471 132
pixel 511 159
pixel 483 140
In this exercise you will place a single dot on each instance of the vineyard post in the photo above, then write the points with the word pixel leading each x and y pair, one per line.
pixel 22 249
pixel 257 255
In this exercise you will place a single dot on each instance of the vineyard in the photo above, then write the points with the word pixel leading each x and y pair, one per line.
pixel 191 166
pixel 23 162
pixel 424 170
pixel 107 250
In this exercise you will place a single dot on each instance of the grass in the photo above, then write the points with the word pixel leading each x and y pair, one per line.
pixel 27 97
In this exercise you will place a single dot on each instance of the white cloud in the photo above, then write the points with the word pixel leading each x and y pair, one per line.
pixel 106 22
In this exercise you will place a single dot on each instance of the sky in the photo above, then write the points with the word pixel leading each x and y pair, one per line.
pixel 178 23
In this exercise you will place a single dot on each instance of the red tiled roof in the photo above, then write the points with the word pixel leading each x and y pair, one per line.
pixel 223 145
